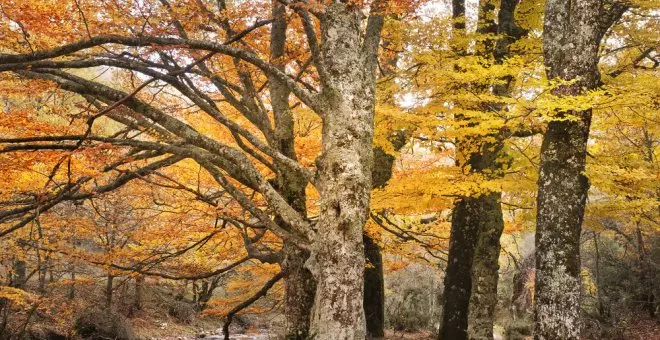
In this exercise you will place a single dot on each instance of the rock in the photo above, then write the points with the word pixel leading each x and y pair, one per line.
pixel 102 324
pixel 41 332
pixel 183 312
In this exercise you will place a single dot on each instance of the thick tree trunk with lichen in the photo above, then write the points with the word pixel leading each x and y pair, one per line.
pixel 561 201
pixel 343 175
pixel 572 35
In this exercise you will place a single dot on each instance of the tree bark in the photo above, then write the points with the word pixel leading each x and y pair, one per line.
pixel 477 221
pixel 72 286
pixel 646 294
pixel 108 290
pixel 299 289
pixel 572 35
pixel 299 283
pixel 485 267
pixel 463 239
pixel 374 289
pixel 343 172
pixel 137 299
pixel 561 201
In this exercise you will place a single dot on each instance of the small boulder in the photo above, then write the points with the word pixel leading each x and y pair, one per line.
pixel 41 332
pixel 183 312
pixel 103 324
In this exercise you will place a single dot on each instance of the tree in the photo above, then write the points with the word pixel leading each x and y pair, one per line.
pixel 344 56
pixel 563 186
pixel 469 115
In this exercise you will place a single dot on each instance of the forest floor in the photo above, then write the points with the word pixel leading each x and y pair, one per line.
pixel 266 335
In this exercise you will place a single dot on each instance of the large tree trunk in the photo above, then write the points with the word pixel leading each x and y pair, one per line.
pixel 458 274
pixel 343 175
pixel 561 201
pixel 572 35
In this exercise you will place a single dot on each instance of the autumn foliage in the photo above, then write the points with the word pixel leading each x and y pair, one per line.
pixel 191 165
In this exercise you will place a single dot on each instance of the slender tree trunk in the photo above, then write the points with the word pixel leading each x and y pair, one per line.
pixel 521 300
pixel 646 295
pixel 572 35
pixel 344 174
pixel 599 297
pixel 108 291
pixel 374 282
pixel 137 299
pixel 300 286
pixel 72 286
pixel 41 273
pixel 374 289
pixel 299 283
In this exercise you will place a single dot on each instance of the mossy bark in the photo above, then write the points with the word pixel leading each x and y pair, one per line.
pixel 299 284
pixel 344 168
pixel 572 35
pixel 299 289
pixel 485 268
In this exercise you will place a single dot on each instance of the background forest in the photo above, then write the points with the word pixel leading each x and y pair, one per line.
pixel 315 169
